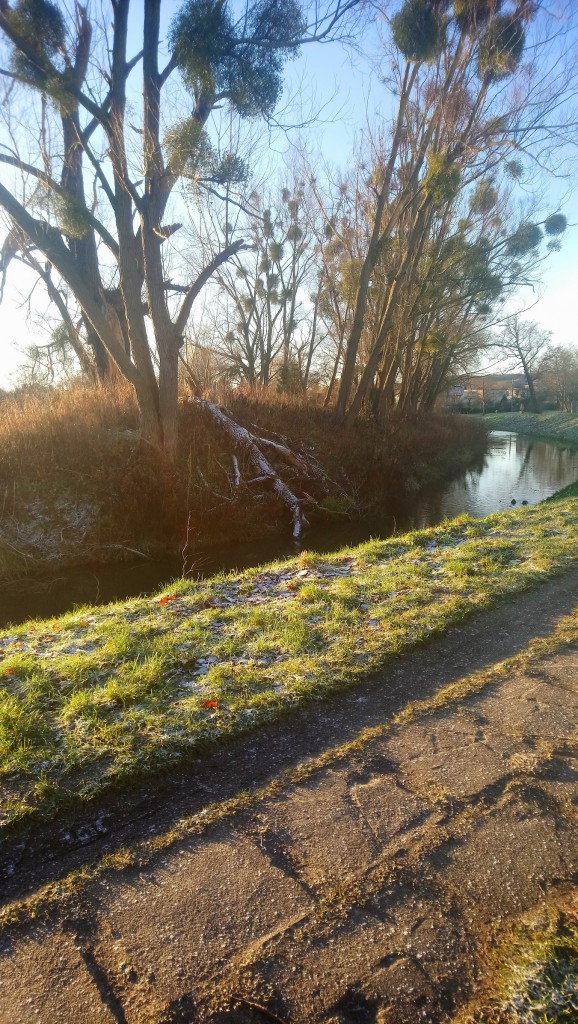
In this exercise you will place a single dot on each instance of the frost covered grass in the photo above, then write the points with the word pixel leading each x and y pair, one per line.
pixel 537 978
pixel 551 426
pixel 101 696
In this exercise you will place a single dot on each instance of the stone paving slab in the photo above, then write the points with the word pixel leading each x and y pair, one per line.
pixel 160 936
pixel 324 830
pixel 507 859
pixel 48 981
pixel 389 808
pixel 528 706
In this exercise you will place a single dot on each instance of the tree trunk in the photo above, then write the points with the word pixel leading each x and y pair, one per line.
pixel 168 398
pixel 348 371
pixel 530 383
pixel 245 442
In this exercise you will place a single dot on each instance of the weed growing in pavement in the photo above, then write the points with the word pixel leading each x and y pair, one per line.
pixel 535 980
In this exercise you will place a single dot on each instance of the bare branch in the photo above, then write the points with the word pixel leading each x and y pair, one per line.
pixel 197 286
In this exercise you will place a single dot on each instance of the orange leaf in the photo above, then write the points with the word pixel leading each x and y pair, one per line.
pixel 167 598
pixel 210 704
pixel 9 671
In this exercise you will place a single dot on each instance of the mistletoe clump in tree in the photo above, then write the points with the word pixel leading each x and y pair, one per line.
pixel 99 212
pixel 454 123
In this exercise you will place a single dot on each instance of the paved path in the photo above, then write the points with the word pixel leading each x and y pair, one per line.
pixel 370 892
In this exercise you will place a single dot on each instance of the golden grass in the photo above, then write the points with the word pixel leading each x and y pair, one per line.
pixel 80 446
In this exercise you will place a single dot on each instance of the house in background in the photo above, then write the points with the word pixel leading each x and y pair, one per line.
pixel 488 393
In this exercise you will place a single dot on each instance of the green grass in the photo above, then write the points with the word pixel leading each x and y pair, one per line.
pixel 536 980
pixel 552 426
pixel 91 701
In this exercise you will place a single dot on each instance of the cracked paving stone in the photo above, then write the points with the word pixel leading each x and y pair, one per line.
pixel 177 925
pixel 503 866
pixel 531 708
pixel 446 759
pixel 559 778
pixel 463 774
pixel 328 835
pixel 314 971
pixel 388 808
pixel 71 995
pixel 403 992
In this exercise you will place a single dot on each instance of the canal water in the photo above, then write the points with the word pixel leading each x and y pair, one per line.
pixel 515 470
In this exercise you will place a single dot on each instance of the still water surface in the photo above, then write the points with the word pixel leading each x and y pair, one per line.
pixel 515 470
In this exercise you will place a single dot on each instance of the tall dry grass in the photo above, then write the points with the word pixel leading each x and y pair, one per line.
pixel 62 428
pixel 82 444
pixel 369 458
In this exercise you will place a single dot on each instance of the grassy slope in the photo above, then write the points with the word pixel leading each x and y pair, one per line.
pixel 552 426
pixel 105 694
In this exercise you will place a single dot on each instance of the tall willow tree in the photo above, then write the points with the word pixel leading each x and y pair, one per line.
pixel 99 211
pixel 457 121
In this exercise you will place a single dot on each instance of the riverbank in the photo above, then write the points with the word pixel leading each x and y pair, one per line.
pixel 95 700
pixel 549 426
pixel 77 488
pixel 558 427
pixel 172 761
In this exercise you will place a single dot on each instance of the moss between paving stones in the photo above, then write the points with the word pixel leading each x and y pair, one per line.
pixel 535 978
pixel 103 695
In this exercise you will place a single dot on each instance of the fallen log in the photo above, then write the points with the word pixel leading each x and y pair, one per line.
pixel 244 441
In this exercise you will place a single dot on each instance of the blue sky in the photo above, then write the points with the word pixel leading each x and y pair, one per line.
pixel 339 85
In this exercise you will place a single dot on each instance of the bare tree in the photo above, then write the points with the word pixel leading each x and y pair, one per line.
pixel 559 376
pixel 524 345
pixel 465 105
pixel 100 210
pixel 268 323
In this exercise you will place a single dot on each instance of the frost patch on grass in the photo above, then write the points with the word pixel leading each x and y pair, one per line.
pixel 537 977
pixel 45 530
pixel 102 694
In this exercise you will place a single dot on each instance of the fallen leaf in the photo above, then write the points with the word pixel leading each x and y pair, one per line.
pixel 210 704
